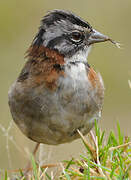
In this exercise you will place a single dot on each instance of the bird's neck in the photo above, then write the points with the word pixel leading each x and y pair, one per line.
pixel 80 56
pixel 44 53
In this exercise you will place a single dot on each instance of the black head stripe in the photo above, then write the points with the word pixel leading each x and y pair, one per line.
pixel 38 39
pixel 58 15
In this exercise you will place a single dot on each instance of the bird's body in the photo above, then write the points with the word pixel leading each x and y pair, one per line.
pixel 57 91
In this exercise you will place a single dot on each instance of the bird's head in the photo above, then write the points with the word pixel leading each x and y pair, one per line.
pixel 67 34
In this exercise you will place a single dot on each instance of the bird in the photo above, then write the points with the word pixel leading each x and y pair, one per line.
pixel 57 92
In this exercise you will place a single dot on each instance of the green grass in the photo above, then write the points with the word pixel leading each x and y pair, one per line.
pixel 105 159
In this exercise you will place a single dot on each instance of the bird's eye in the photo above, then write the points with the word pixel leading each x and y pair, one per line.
pixel 77 36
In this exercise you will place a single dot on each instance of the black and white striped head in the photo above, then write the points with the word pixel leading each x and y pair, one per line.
pixel 66 33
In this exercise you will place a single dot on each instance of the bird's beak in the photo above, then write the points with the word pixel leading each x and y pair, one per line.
pixel 96 37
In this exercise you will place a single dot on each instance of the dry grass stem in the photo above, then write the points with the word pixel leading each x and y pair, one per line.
pixel 120 146
pixel 92 149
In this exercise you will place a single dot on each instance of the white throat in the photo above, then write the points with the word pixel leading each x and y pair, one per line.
pixel 79 56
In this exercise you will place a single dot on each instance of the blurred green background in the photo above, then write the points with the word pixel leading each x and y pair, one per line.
pixel 19 21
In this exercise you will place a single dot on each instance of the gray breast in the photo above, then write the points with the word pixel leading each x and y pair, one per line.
pixel 54 117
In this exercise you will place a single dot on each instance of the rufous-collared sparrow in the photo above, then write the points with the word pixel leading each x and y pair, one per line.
pixel 57 92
